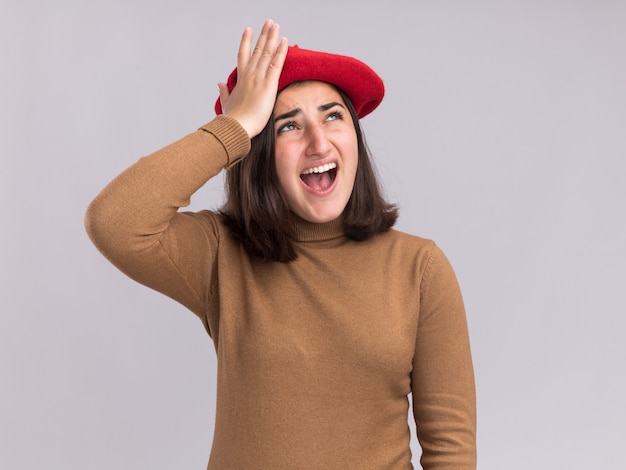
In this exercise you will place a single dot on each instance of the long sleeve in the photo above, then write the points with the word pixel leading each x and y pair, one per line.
pixel 444 399
pixel 136 224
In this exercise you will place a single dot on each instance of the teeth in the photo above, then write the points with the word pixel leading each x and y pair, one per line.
pixel 320 169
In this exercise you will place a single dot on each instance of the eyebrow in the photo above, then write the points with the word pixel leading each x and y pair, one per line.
pixel 296 111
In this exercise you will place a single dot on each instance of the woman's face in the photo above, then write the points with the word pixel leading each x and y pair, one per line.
pixel 316 150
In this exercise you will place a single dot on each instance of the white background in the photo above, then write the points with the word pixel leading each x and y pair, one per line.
pixel 502 136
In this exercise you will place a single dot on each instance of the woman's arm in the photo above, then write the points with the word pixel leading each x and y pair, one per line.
pixel 135 221
pixel 444 398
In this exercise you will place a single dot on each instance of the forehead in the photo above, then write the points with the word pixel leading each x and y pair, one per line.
pixel 301 94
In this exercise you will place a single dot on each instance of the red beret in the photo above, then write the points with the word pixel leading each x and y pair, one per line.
pixel 362 85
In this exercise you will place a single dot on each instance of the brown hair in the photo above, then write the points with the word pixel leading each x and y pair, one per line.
pixel 255 210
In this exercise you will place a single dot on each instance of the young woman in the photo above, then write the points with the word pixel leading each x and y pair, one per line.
pixel 324 319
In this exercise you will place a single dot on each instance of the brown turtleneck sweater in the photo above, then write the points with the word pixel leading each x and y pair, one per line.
pixel 317 357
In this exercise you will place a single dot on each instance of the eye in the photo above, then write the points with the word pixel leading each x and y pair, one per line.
pixel 288 126
pixel 335 115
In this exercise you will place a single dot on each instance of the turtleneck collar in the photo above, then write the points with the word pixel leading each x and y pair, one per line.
pixel 306 231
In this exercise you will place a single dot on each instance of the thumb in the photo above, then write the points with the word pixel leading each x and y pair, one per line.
pixel 224 94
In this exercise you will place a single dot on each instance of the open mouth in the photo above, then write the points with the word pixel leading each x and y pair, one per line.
pixel 321 177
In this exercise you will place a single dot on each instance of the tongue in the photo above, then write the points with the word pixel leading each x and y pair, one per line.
pixel 317 181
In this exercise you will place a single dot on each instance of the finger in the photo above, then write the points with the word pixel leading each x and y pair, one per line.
pixel 243 55
pixel 224 94
pixel 278 60
pixel 267 58
pixel 261 42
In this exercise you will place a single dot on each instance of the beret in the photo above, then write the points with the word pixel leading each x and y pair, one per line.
pixel 357 80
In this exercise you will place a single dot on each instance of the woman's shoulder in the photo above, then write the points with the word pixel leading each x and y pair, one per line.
pixel 410 240
pixel 423 253
pixel 414 247
pixel 401 248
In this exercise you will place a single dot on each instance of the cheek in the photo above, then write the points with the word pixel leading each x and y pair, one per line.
pixel 285 168
pixel 352 159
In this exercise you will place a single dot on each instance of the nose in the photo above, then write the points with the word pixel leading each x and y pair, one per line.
pixel 318 144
